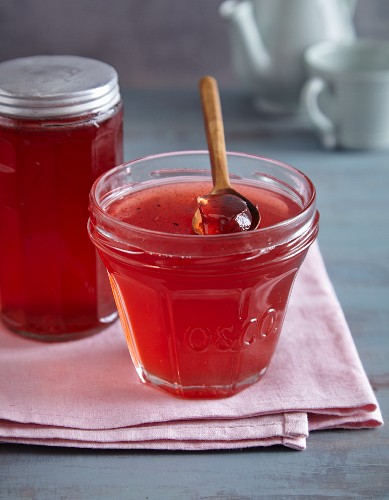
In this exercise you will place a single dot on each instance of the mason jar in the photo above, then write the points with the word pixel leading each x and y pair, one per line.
pixel 60 128
pixel 202 314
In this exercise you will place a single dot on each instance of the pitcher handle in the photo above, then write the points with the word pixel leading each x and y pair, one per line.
pixel 310 96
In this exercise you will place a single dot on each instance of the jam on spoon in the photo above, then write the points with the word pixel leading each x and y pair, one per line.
pixel 224 213
pixel 223 210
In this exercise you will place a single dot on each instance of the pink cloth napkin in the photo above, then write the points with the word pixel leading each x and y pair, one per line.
pixel 86 393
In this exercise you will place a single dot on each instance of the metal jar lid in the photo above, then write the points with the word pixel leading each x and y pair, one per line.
pixel 56 86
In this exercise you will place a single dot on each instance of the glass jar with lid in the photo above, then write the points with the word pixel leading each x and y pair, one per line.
pixel 60 128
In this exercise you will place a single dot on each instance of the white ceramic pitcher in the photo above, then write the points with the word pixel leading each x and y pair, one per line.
pixel 269 37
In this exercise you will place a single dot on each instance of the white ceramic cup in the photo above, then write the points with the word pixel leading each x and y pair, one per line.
pixel 347 93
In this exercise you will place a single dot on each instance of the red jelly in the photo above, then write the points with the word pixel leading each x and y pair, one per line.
pixel 60 128
pixel 224 213
pixel 201 314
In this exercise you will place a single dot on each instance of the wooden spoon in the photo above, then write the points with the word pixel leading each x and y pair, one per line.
pixel 213 122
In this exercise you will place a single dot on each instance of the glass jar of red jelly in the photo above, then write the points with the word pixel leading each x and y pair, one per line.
pixel 60 128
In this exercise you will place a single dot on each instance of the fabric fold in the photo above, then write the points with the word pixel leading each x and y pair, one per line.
pixel 86 393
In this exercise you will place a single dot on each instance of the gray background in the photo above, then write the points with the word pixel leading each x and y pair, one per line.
pixel 152 43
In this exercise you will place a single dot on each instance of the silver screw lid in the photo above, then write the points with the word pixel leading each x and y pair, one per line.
pixel 56 86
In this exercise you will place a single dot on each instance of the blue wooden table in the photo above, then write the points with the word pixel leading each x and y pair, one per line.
pixel 353 200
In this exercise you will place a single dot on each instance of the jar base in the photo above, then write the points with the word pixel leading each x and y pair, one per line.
pixel 45 336
pixel 201 391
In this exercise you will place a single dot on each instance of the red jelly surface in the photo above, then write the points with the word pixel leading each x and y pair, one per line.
pixel 50 281
pixel 223 213
pixel 169 208
pixel 200 328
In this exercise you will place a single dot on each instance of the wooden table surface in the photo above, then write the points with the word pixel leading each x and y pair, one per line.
pixel 353 200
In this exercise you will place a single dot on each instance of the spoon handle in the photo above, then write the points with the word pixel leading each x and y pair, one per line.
pixel 213 122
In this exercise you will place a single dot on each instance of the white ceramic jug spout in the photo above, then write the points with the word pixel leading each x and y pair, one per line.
pixel 350 7
pixel 250 57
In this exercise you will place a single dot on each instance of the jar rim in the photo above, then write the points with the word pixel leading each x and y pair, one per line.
pixel 301 222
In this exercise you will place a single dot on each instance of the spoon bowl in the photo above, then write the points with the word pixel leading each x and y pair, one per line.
pixel 255 215
pixel 214 128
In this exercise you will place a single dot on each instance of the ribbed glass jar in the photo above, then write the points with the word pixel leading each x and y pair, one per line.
pixel 202 314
